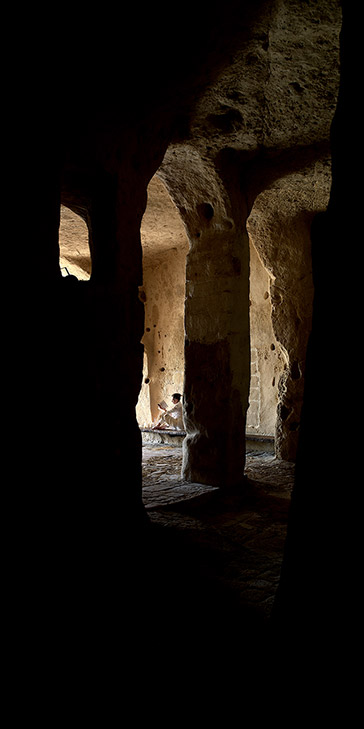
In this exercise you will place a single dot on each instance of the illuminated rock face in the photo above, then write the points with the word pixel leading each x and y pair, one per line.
pixel 233 144
pixel 238 115
pixel 165 246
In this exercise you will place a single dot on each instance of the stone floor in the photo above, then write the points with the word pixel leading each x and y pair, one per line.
pixel 206 582
pixel 220 551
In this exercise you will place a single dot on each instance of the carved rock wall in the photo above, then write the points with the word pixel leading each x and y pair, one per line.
pixel 268 358
pixel 163 339
pixel 253 134
pixel 251 106
pixel 165 247
pixel 279 226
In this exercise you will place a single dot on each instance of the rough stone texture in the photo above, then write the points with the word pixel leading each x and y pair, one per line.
pixel 252 129
pixel 279 226
pixel 241 136
pixel 252 104
pixel 165 246
pixel 268 359
pixel 163 339
pixel 162 228
pixel 232 164
pixel 74 248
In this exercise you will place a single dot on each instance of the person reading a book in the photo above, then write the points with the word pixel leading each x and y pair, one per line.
pixel 171 419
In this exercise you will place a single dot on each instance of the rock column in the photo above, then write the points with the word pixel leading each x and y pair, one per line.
pixel 216 354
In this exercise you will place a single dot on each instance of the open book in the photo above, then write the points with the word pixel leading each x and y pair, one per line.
pixel 163 404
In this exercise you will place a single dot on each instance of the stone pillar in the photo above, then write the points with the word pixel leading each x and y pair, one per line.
pixel 216 352
pixel 115 320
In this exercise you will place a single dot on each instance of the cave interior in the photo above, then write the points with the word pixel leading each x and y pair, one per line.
pixel 205 160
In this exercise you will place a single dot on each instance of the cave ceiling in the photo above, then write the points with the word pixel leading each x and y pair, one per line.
pixel 253 81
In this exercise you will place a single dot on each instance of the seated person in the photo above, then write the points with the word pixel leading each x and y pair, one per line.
pixel 172 418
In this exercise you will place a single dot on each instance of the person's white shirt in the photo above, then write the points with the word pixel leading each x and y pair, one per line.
pixel 172 418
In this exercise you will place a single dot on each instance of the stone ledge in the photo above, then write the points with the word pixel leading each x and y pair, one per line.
pixel 176 437
pixel 171 437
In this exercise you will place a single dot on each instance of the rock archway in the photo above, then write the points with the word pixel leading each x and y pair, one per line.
pixel 254 112
pixel 279 227
pixel 165 246
pixel 74 250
